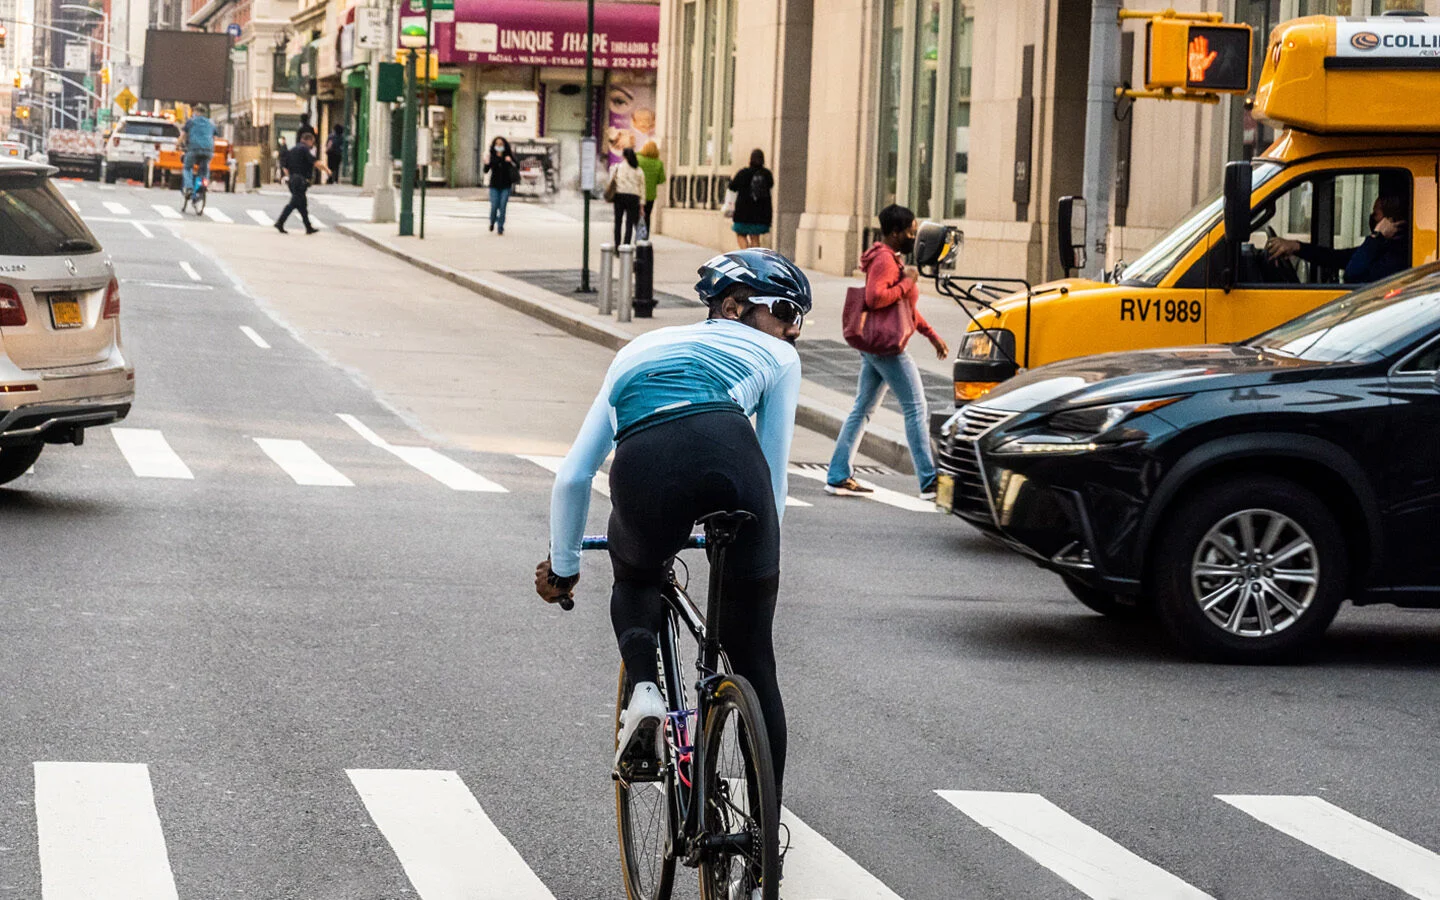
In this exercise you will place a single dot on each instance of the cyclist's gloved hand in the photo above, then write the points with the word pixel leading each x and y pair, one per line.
pixel 553 588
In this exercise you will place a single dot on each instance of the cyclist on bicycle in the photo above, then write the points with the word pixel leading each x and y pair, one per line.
pixel 198 139
pixel 674 406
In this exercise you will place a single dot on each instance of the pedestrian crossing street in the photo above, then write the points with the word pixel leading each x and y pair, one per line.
pixel 100 834
pixel 147 453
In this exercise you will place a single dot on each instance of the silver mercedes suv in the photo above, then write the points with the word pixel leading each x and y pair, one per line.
pixel 61 365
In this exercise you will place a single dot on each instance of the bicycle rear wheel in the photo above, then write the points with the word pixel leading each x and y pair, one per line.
pixel 742 811
pixel 198 201
pixel 643 815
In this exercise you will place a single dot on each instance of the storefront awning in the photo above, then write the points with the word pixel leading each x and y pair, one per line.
pixel 550 33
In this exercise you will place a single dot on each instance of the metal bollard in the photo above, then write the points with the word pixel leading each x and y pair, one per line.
pixel 626 306
pixel 149 173
pixel 607 272
pixel 252 176
pixel 644 280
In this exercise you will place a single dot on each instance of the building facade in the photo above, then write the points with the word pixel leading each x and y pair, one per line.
pixel 970 112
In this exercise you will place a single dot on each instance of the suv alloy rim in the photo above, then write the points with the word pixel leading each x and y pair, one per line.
pixel 1255 573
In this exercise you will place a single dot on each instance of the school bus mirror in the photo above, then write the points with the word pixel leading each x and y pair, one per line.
pixel 935 245
pixel 1070 227
pixel 1211 58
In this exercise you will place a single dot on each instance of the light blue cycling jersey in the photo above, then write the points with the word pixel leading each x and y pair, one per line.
pixel 667 374
pixel 200 134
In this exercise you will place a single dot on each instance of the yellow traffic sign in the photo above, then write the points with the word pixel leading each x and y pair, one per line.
pixel 126 99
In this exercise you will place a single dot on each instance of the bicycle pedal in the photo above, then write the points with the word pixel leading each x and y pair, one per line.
pixel 637 769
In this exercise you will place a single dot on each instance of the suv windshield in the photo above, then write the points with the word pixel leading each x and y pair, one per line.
pixel 150 129
pixel 35 220
pixel 1369 324
pixel 1154 263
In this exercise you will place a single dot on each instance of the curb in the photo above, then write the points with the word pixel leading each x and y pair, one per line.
pixel 880 443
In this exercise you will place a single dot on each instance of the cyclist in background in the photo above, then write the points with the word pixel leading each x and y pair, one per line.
pixel 199 140
pixel 675 408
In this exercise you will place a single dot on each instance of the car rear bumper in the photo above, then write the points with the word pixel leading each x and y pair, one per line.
pixel 50 405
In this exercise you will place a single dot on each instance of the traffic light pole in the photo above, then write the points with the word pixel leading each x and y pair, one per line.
pixel 407 152
pixel 430 154
pixel 1100 128
pixel 590 136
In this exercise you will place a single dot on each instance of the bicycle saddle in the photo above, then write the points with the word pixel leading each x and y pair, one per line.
pixel 721 527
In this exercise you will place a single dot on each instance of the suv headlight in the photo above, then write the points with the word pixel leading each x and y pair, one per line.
pixel 990 344
pixel 1081 430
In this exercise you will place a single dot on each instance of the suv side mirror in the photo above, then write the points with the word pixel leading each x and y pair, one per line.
pixel 936 245
pixel 1237 217
pixel 1070 228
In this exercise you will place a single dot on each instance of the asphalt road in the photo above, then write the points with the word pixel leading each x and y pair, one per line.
pixel 239 685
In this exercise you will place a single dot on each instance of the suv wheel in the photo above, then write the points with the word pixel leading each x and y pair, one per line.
pixel 15 460
pixel 1116 606
pixel 1249 570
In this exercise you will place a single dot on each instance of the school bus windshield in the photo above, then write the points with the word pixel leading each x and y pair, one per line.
pixel 1154 263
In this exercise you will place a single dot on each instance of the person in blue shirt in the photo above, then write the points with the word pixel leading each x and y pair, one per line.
pixel 675 407
pixel 199 140
pixel 1383 253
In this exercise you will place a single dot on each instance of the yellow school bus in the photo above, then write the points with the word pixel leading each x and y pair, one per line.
pixel 1355 101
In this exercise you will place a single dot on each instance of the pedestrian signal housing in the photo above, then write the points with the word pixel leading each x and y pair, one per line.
pixel 1199 57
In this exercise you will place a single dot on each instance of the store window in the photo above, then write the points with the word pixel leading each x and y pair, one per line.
pixel 687 82
pixel 924 135
pixel 706 100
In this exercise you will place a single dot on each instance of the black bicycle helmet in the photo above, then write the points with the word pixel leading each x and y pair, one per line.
pixel 768 273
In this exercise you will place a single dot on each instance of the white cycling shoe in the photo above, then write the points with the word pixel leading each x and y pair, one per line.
pixel 641 743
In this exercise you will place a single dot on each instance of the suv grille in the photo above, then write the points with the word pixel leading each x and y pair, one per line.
pixel 958 457
pixel 974 422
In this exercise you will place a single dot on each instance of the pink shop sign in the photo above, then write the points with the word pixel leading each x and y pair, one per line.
pixel 549 33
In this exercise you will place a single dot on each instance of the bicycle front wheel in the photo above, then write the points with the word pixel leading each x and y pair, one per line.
pixel 742 811
pixel 643 815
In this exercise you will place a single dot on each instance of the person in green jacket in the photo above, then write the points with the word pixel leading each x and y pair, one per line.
pixel 654 176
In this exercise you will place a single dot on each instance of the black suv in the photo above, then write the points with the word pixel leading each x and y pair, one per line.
pixel 1244 490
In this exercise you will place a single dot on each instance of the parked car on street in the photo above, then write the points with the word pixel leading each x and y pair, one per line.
pixel 75 152
pixel 62 369
pixel 1243 490
pixel 134 140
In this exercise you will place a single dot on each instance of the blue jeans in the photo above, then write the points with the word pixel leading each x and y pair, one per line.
pixel 900 374
pixel 194 158
pixel 499 199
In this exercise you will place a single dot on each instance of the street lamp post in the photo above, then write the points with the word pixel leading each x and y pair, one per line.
pixel 593 143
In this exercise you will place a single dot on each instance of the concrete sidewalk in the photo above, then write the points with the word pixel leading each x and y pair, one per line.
pixel 535 267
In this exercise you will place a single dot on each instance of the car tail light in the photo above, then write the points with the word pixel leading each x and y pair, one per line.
pixel 112 301
pixel 12 312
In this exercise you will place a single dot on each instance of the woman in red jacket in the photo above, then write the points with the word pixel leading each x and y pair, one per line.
pixel 888 280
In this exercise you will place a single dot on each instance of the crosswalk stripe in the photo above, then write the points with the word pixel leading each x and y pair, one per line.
pixel 118 209
pixel 816 868
pixel 149 454
pixel 218 216
pixel 189 270
pixel 255 337
pixel 303 464
pixel 73 205
pixel 316 222
pixel 1348 838
pixel 448 847
pixel 432 462
pixel 166 212
pixel 140 227
pixel 881 495
pixel 100 834
pixel 260 216
pixel 1091 862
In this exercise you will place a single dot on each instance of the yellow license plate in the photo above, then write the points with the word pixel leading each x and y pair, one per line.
pixel 945 493
pixel 65 313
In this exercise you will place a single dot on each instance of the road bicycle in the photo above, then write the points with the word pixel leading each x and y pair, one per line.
pixel 709 804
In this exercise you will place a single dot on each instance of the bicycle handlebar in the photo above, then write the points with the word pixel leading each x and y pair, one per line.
pixel 602 542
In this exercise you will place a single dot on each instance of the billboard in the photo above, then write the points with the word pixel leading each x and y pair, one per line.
pixel 186 66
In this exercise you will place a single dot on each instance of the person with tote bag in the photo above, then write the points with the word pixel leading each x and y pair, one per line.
pixel 879 320
pixel 625 188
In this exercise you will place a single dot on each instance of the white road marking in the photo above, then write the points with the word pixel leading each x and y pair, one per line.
pixel 118 209
pixel 149 454
pixel 601 481
pixel 449 848
pixel 881 495
pixel 217 215
pixel 816 868
pixel 1091 862
pixel 170 286
pixel 140 227
pixel 166 212
pixel 253 335
pixel 189 270
pixel 100 835
pixel 1348 838
pixel 260 216
pixel 303 464
pixel 433 463
pixel 73 205
pixel 316 222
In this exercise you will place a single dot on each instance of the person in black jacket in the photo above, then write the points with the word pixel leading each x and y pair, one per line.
pixel 504 173
pixel 1383 253
pixel 299 163
pixel 334 149
pixel 753 210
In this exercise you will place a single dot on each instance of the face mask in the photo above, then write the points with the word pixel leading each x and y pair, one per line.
pixel 908 247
